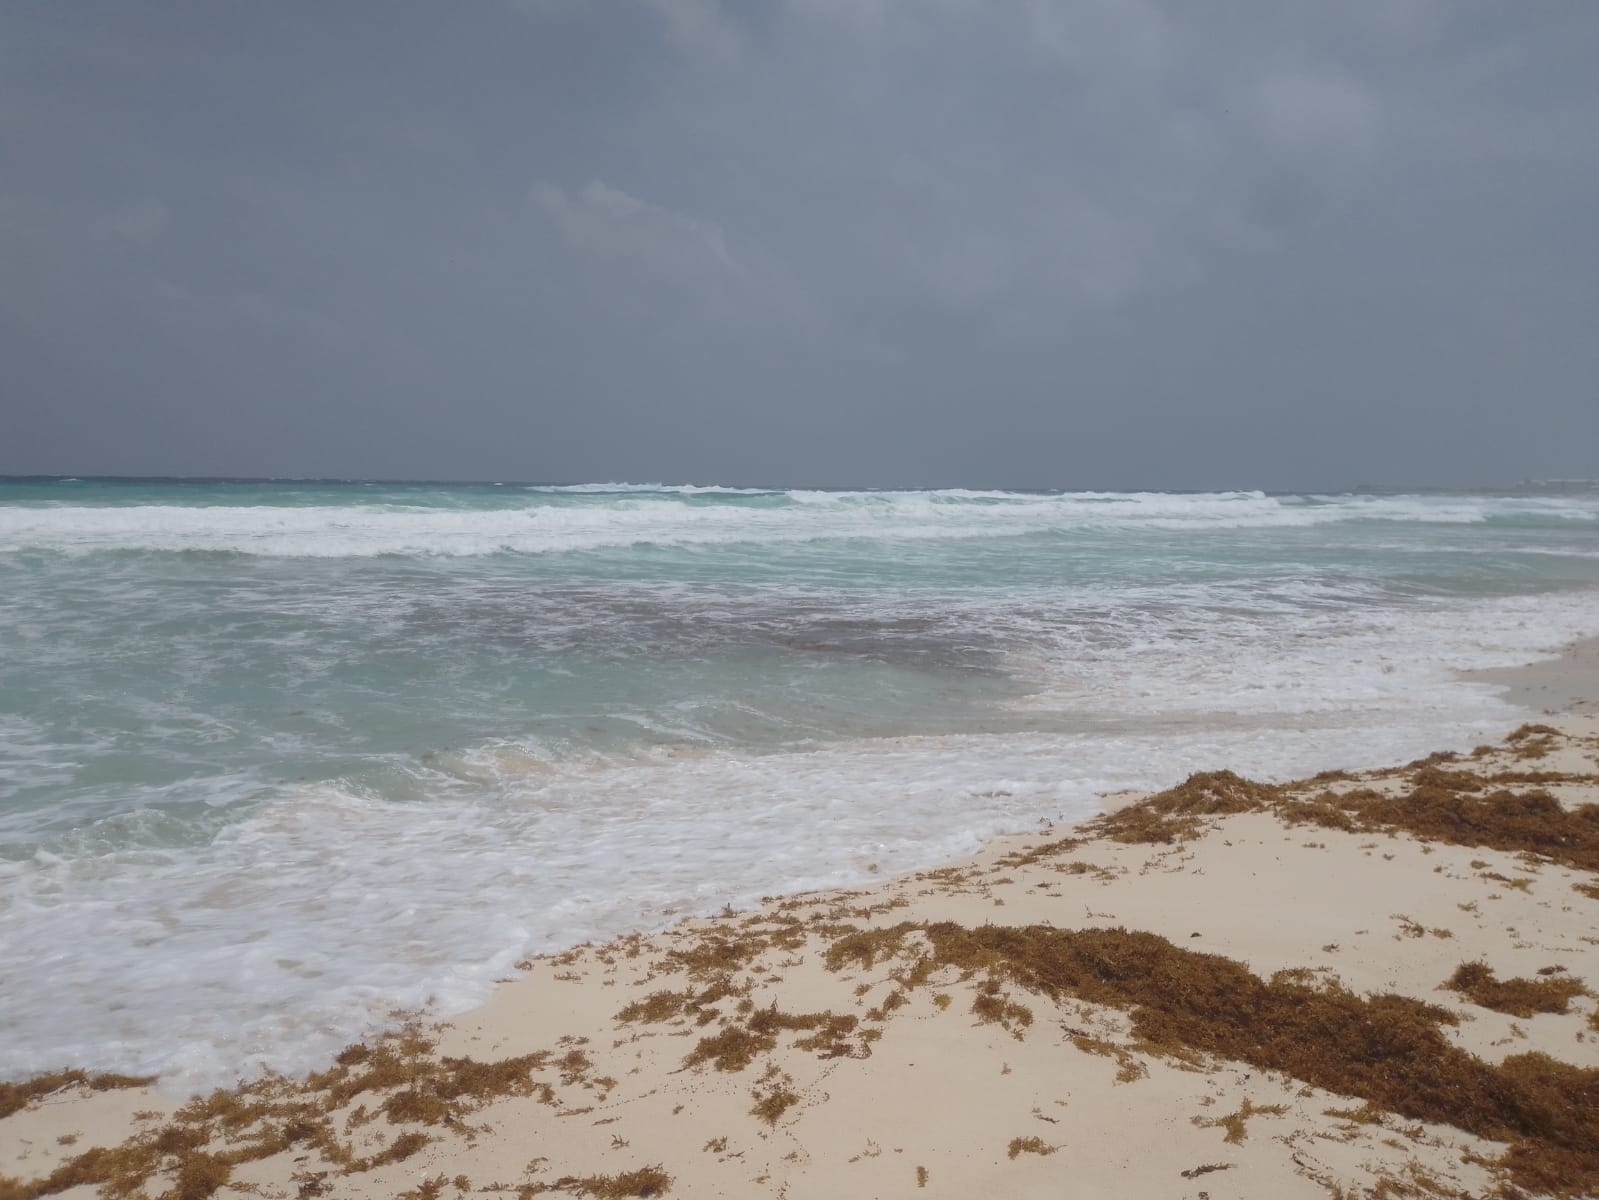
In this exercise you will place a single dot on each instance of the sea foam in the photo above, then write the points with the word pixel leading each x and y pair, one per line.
pixel 613 518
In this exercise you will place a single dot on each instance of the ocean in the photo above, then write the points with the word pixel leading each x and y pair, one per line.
pixel 279 759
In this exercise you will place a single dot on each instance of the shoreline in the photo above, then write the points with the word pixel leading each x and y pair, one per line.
pixel 1565 683
pixel 893 1065
pixel 345 848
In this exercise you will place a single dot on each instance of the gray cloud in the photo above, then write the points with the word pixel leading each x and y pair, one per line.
pixel 648 259
pixel 1058 242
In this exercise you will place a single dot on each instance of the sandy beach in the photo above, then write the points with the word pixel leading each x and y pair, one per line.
pixel 1371 983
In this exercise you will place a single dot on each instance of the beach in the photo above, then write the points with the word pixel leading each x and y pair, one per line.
pixel 278 758
pixel 1365 983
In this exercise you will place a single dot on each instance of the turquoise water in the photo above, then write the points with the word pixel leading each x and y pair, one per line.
pixel 278 757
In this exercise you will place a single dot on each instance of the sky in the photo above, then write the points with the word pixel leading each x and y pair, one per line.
pixel 996 243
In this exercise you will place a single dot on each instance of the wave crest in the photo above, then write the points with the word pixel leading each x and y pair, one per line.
pixel 602 516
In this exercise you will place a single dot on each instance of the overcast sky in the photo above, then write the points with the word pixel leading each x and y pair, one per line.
pixel 1055 243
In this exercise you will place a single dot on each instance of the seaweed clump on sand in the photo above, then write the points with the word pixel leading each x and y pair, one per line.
pixel 1028 1145
pixel 668 1005
pixel 1457 806
pixel 776 1100
pixel 1517 997
pixel 399 1076
pixel 1388 1050
pixel 16 1096
pixel 1533 741
pixel 1446 806
pixel 737 1045
pixel 644 1182
pixel 1179 812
